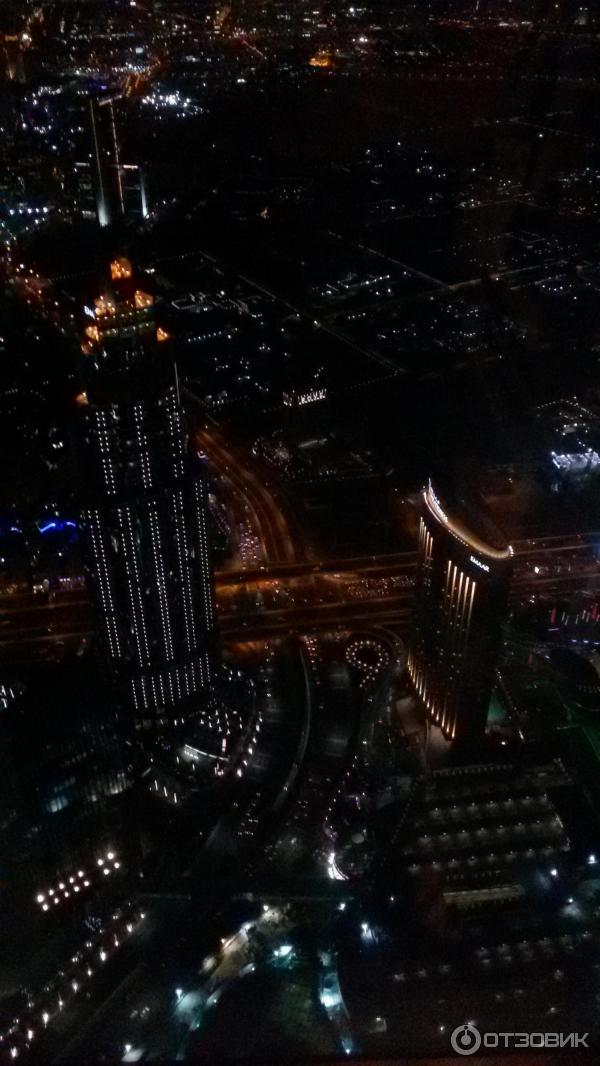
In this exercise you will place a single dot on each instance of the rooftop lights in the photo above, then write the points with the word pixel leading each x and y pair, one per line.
pixel 120 269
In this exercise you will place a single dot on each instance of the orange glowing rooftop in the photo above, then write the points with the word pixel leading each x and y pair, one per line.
pixel 121 269
pixel 321 59
pixel 142 299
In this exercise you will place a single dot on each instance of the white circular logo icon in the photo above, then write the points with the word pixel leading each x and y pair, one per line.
pixel 466 1039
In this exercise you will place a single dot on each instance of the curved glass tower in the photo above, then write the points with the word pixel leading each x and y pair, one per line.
pixel 462 592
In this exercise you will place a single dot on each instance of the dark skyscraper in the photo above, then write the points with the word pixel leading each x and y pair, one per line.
pixel 462 590
pixel 63 777
pixel 146 515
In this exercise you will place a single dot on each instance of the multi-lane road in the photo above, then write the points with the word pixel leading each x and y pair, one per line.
pixel 284 597
pixel 287 592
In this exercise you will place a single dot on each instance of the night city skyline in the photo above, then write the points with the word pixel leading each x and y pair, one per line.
pixel 299 531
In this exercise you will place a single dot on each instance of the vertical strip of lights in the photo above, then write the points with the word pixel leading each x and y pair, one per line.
pixel 185 577
pixel 202 533
pixel 176 437
pixel 159 577
pixel 134 586
pixel 142 443
pixel 103 579
pixel 104 443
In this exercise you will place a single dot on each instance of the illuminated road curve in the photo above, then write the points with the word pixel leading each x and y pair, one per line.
pixel 272 525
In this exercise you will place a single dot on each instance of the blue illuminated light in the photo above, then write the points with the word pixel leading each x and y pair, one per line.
pixel 58 525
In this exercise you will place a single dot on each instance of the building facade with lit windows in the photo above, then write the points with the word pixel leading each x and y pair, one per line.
pixel 146 519
pixel 462 592
pixel 65 778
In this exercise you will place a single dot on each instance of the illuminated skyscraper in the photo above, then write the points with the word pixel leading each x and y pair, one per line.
pixel 12 63
pixel 146 514
pixel 119 188
pixel 462 591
